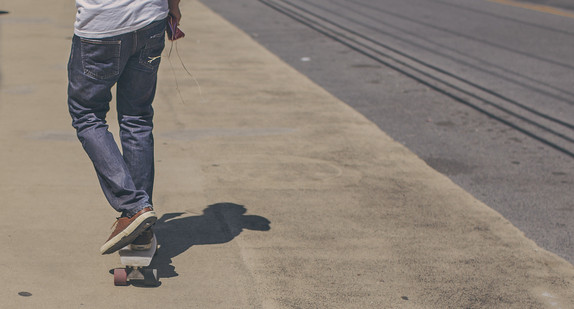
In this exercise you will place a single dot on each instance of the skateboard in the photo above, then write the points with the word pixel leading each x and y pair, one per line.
pixel 136 264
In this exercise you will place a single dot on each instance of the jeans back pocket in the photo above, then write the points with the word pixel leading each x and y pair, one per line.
pixel 101 58
pixel 150 55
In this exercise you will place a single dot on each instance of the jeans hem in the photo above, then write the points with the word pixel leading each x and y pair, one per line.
pixel 131 213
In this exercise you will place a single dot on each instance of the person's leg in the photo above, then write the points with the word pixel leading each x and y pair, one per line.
pixel 94 67
pixel 135 94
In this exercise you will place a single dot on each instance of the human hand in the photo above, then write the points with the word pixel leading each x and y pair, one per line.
pixel 174 10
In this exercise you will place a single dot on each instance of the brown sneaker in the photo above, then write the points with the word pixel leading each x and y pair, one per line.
pixel 143 242
pixel 128 229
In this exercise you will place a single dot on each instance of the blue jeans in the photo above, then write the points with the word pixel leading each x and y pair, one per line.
pixel 131 61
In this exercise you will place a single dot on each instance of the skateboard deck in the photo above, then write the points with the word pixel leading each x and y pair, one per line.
pixel 136 263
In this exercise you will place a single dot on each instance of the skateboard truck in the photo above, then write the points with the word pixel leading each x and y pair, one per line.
pixel 135 274
pixel 135 262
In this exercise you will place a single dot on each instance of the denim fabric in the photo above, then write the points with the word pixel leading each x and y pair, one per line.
pixel 131 62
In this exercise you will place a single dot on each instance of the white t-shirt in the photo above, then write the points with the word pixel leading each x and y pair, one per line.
pixel 105 18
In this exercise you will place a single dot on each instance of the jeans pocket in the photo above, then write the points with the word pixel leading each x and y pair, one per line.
pixel 150 55
pixel 101 58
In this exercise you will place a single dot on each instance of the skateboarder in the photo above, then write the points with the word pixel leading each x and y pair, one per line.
pixel 119 42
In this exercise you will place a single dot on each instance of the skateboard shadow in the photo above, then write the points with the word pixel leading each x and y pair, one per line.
pixel 220 223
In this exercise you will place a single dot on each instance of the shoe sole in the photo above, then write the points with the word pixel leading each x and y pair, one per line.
pixel 130 233
pixel 142 246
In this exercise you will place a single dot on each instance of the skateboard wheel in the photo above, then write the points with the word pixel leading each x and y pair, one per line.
pixel 120 276
pixel 150 277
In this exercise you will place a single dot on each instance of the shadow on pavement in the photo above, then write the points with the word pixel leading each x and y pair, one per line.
pixel 220 223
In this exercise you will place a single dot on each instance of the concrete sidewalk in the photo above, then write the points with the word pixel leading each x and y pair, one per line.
pixel 272 193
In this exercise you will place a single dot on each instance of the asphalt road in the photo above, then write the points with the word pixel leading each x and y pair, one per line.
pixel 481 90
